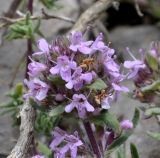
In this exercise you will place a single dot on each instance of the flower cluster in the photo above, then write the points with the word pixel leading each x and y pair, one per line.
pixel 78 63
pixel 82 75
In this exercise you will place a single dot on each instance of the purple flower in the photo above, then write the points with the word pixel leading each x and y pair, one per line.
pixel 59 136
pixel 78 79
pixel 81 104
pixel 98 44
pixel 43 46
pixel 111 67
pixel 35 68
pixel 37 89
pixel 72 142
pixel 134 67
pixel 63 67
pixel 38 156
pixel 77 43
pixel 126 124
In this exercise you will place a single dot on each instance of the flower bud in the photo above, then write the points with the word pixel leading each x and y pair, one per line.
pixel 126 124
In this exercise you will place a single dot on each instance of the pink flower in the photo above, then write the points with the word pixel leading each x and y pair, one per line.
pixel 35 68
pixel 37 89
pixel 78 79
pixel 126 124
pixel 43 46
pixel 81 104
pixel 63 67
pixel 77 43
pixel 134 67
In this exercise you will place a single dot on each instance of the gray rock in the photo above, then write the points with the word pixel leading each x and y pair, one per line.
pixel 133 37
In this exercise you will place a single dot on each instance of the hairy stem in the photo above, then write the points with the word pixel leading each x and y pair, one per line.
pixel 92 139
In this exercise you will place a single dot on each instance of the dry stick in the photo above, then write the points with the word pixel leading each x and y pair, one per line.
pixel 23 145
pixel 45 16
pixel 87 17
pixel 91 14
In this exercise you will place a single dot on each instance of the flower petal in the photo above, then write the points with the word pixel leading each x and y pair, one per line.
pixel 69 107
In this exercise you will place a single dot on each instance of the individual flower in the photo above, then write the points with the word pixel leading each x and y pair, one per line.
pixel 81 104
pixel 78 79
pixel 35 68
pixel 111 67
pixel 38 156
pixel 98 44
pixel 43 46
pixel 77 43
pixel 63 67
pixel 71 143
pixel 59 136
pixel 134 67
pixel 37 89
pixel 126 124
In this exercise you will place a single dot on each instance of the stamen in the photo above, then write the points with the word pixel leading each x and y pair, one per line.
pixel 130 53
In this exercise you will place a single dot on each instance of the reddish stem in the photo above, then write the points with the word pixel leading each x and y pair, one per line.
pixel 29 41
pixel 92 139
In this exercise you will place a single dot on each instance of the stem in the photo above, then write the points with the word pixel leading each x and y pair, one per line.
pixel 29 41
pixel 92 139
pixel 30 6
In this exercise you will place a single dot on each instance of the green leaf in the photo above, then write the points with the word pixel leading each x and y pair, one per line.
pixel 136 117
pixel 19 90
pixel 44 149
pixel 152 61
pixel 134 152
pixel 152 87
pixel 107 118
pixel 28 18
pixel 152 111
pixel 97 85
pixel 56 111
pixel 154 135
